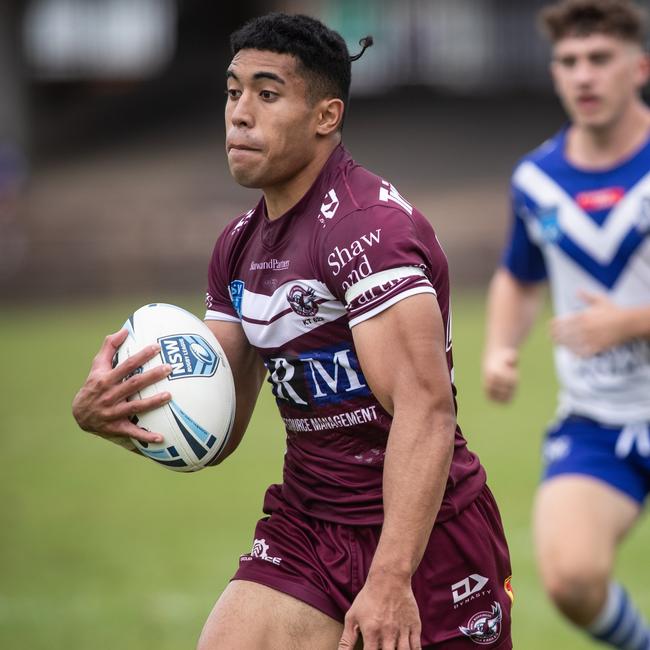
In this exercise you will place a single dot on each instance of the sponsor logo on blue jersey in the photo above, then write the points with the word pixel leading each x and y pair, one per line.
pixel 236 290
pixel 325 376
pixel 189 355
pixel 548 220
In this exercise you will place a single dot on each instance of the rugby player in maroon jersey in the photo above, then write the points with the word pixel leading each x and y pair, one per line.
pixel 337 289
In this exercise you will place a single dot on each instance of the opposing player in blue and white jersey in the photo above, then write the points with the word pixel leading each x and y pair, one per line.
pixel 581 205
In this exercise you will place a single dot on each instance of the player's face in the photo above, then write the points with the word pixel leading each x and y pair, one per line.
pixel 271 126
pixel 597 77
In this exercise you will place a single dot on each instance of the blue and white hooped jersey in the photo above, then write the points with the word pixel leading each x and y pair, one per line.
pixel 588 230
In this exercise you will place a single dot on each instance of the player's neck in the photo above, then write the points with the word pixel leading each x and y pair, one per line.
pixel 281 198
pixel 598 148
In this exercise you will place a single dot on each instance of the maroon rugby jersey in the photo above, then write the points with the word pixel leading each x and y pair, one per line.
pixel 349 249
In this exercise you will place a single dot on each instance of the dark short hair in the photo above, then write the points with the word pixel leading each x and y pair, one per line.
pixel 620 18
pixel 323 57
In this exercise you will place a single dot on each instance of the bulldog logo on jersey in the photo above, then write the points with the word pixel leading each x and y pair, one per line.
pixel 302 301
pixel 484 627
pixel 189 355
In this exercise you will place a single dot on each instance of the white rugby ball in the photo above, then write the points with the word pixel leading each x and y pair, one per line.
pixel 197 422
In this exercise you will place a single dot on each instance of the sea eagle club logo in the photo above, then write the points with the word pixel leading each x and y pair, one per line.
pixel 302 301
pixel 484 627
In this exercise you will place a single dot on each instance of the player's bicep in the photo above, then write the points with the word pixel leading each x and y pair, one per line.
pixel 403 357
pixel 245 363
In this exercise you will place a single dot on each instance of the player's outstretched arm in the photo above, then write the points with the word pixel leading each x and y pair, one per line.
pixel 248 373
pixel 101 404
pixel 402 355
pixel 512 308
pixel 601 325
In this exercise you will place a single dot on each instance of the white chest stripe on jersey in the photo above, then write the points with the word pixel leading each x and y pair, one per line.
pixel 271 322
pixel 600 242
pixel 260 307
pixel 291 326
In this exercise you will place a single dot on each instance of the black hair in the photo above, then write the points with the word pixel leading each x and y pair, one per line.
pixel 323 56
pixel 620 18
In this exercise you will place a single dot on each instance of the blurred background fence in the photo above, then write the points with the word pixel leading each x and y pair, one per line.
pixel 112 173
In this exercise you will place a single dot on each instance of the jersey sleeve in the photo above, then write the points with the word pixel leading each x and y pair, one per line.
pixel 375 257
pixel 522 256
pixel 222 296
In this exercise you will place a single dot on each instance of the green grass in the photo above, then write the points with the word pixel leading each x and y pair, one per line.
pixel 100 549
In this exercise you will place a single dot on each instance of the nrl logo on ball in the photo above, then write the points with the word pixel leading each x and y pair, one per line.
pixel 189 355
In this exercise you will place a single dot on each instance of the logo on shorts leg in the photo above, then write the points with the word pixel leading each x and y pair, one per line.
pixel 484 627
pixel 556 449
pixel 470 586
pixel 260 551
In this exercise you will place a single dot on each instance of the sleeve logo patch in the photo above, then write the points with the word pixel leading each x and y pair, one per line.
pixel 236 291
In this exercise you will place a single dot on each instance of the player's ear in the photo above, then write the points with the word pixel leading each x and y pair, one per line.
pixel 643 70
pixel 330 115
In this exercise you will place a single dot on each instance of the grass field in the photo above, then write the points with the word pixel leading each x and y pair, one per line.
pixel 102 550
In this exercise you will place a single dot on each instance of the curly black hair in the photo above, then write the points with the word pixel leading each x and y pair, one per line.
pixel 323 56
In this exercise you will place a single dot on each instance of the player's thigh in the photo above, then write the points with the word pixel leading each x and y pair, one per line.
pixel 250 616
pixel 578 523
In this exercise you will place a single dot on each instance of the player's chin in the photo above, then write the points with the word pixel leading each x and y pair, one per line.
pixel 593 119
pixel 246 177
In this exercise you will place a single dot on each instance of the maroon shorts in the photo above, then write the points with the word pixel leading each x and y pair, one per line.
pixel 462 585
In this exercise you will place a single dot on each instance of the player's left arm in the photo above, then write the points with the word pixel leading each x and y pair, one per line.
pixel 402 355
pixel 601 325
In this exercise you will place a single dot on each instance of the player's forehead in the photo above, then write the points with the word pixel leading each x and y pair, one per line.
pixel 250 65
pixel 579 45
